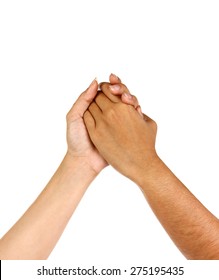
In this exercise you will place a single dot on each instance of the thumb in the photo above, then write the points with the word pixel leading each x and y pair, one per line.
pixel 84 100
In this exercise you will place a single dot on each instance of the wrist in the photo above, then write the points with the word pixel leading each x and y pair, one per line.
pixel 78 163
pixel 74 172
pixel 147 171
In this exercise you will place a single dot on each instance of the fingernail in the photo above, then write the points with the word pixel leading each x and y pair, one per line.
pixel 93 82
pixel 115 88
pixel 127 95
pixel 115 76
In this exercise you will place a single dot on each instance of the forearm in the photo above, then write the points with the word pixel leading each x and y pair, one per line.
pixel 36 233
pixel 190 225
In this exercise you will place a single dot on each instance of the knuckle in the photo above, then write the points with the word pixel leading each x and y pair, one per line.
pixel 135 98
pixel 103 86
pixel 154 124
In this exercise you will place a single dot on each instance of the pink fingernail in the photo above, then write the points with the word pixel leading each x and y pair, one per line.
pixel 94 81
pixel 115 76
pixel 127 95
pixel 115 88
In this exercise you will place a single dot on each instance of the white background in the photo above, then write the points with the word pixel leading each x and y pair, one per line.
pixel 167 54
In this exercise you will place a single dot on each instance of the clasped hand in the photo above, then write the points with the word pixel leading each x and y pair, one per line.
pixel 104 127
pixel 108 127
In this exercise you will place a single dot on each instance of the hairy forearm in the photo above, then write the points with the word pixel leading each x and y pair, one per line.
pixel 36 233
pixel 193 229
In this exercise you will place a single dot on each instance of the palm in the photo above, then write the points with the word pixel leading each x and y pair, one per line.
pixel 79 143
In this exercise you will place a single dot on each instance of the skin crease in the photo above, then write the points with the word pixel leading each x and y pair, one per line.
pixel 128 144
pixel 33 237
